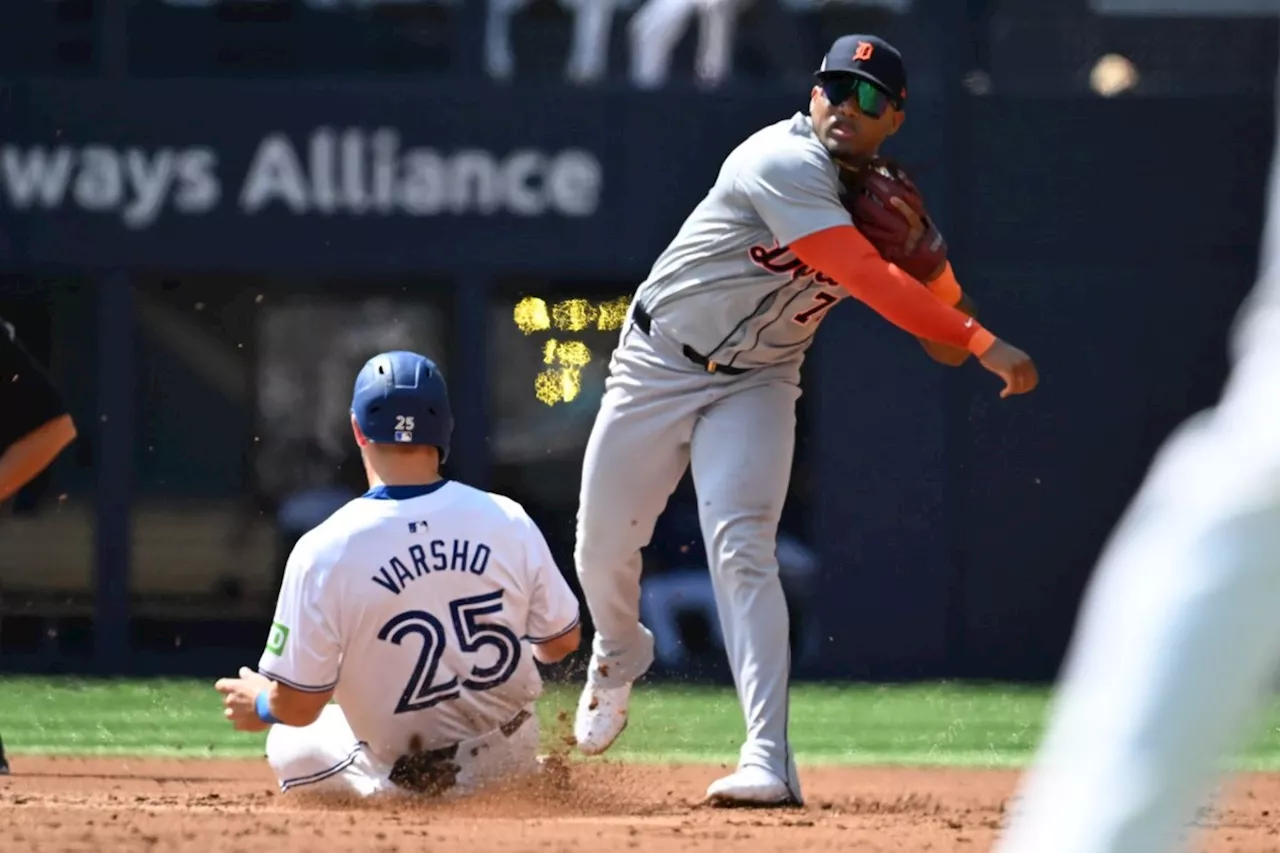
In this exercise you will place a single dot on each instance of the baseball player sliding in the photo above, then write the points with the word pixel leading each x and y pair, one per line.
pixel 420 607
pixel 707 374
pixel 1177 643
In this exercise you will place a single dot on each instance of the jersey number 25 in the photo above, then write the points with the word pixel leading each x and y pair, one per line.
pixel 470 635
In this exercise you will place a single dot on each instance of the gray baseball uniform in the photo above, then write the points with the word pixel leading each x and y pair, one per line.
pixel 707 373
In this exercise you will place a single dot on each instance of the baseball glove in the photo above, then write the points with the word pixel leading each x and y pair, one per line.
pixel 867 195
pixel 430 772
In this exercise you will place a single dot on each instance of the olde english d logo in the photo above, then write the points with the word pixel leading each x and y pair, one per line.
pixel 864 51
pixel 780 261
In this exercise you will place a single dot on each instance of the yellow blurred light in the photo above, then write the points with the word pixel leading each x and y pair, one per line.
pixel 570 383
pixel 561 382
pixel 531 315
pixel 558 385
pixel 573 354
pixel 613 314
pixel 546 386
pixel 573 315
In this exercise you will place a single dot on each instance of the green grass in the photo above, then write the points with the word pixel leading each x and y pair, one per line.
pixel 937 724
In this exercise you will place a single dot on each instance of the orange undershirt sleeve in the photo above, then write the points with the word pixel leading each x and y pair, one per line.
pixel 845 255
pixel 946 287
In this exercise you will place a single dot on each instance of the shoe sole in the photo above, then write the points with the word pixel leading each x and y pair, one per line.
pixel 723 801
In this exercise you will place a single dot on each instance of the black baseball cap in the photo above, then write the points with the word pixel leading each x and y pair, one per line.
pixel 871 58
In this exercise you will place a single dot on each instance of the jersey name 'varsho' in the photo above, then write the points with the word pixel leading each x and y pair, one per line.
pixel 419 613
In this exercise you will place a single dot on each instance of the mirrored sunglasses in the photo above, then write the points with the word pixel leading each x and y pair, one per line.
pixel 871 99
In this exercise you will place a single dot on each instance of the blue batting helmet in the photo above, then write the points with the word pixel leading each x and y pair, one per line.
pixel 401 398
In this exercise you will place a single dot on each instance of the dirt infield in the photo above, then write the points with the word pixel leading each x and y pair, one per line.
pixel 118 804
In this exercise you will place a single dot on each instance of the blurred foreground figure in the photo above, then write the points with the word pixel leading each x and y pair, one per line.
pixel 1179 636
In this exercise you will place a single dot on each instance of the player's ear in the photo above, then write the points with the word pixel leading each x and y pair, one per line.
pixel 899 116
pixel 361 441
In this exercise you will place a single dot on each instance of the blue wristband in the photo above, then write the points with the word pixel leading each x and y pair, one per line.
pixel 263 706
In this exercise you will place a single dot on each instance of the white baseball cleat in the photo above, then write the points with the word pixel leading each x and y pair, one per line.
pixel 601 717
pixel 750 786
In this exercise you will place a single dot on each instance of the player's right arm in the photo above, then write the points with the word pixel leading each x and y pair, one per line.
pixel 33 411
pixel 304 649
pixel 556 650
pixel 554 628
pixel 794 195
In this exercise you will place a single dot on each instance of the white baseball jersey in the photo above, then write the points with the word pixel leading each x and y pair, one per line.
pixel 419 604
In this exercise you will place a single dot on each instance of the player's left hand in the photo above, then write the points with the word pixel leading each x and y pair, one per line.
pixel 238 697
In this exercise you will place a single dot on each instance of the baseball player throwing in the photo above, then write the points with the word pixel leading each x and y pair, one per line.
pixel 707 374
pixel 420 606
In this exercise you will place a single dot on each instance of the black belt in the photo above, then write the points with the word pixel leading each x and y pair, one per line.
pixel 435 771
pixel 644 322
pixel 513 725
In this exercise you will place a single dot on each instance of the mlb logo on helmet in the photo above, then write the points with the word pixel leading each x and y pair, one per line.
pixel 400 397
